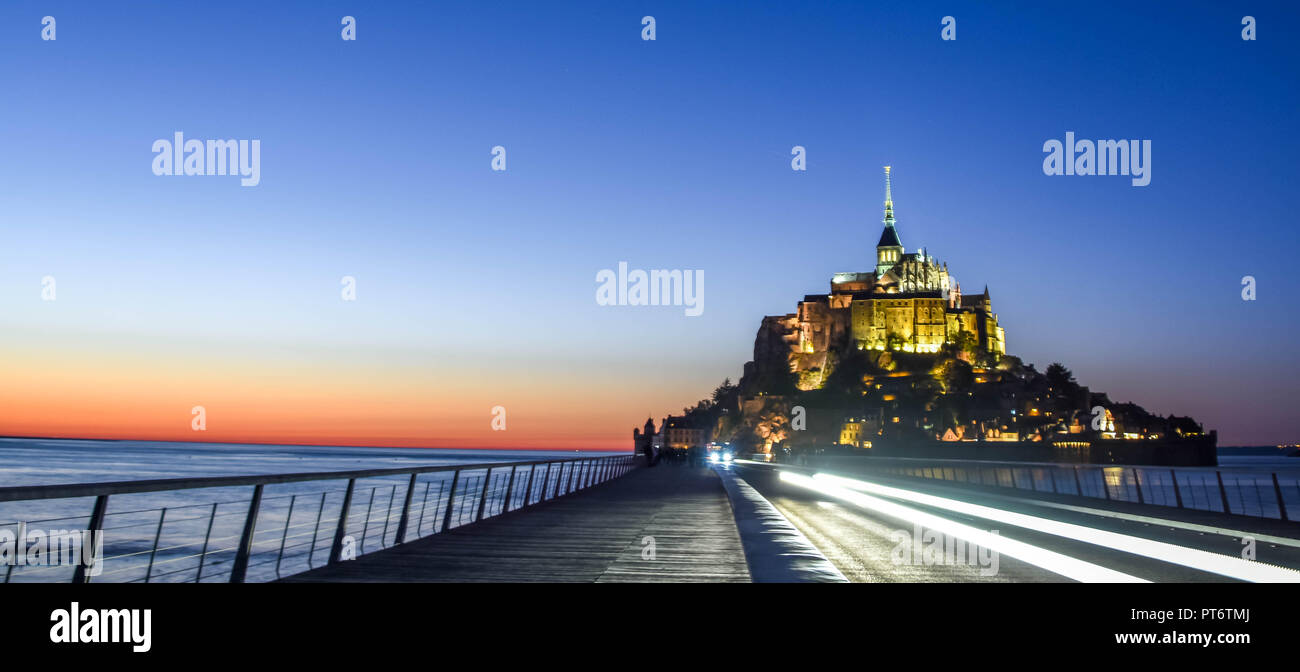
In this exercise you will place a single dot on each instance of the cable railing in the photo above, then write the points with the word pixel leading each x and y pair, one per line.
pixel 1246 493
pixel 265 536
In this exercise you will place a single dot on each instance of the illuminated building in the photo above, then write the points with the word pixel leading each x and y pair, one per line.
pixel 678 435
pixel 853 432
pixel 909 303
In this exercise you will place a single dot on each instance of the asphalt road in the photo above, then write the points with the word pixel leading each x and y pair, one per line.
pixel 869 545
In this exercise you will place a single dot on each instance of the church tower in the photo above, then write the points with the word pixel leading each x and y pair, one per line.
pixel 889 250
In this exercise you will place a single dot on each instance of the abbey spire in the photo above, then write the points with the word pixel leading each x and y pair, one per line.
pixel 890 249
pixel 889 201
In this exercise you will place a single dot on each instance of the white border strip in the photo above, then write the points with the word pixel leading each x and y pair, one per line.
pixel 775 550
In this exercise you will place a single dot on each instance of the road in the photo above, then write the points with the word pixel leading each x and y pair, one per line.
pixel 898 535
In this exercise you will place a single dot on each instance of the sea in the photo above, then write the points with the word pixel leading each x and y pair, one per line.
pixel 184 535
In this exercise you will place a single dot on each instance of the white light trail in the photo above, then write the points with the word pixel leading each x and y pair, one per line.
pixel 1224 565
pixel 1040 557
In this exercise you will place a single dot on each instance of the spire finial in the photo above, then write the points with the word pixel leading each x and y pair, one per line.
pixel 889 201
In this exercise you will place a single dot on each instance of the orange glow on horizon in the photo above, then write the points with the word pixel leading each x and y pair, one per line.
pixel 139 395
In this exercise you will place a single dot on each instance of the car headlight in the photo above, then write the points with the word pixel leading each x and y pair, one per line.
pixel 726 457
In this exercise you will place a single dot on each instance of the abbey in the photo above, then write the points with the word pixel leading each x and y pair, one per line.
pixel 909 303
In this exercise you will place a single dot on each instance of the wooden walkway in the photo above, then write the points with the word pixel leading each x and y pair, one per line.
pixel 595 535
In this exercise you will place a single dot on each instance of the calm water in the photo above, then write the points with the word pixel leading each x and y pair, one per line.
pixel 296 521
pixel 1276 463
pixel 51 461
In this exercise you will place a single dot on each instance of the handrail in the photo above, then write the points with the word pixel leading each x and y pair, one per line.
pixel 63 491
pixel 472 498
pixel 1155 485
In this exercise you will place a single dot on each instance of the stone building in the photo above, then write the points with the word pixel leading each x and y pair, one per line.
pixel 678 435
pixel 909 303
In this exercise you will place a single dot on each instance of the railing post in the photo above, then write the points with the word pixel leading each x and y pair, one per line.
pixel 1178 496
pixel 315 530
pixel 284 537
pixel 528 489
pixel 1105 487
pixel 1281 503
pixel 240 567
pixel 510 490
pixel 424 504
pixel 154 551
pixel 1078 484
pixel 1223 493
pixel 482 500
pixel 203 555
pixel 340 531
pixel 392 497
pixel 95 527
pixel 365 528
pixel 451 501
pixel 559 476
pixel 573 471
pixel 1137 484
pixel 406 512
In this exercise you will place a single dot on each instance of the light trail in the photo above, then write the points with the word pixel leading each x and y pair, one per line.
pixel 1224 565
pixel 1152 520
pixel 1052 561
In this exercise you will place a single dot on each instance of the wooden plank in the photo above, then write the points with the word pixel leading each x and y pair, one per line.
pixel 596 535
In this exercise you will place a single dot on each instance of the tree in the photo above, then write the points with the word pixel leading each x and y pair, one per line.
pixel 1060 378
pixel 845 378
pixel 954 376
pixel 722 391
pixel 965 345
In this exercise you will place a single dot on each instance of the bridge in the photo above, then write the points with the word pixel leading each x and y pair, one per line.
pixel 613 519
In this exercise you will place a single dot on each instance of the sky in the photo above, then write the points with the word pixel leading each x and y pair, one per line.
pixel 475 288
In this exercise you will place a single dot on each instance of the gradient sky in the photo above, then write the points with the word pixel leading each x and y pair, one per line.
pixel 476 288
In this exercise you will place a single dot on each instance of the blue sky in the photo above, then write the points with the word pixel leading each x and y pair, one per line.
pixel 666 154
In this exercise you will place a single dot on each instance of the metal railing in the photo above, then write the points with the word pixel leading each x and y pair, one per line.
pixel 267 535
pixel 1237 492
